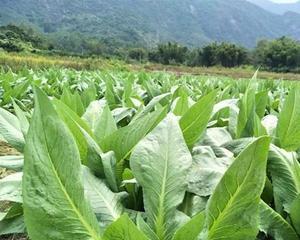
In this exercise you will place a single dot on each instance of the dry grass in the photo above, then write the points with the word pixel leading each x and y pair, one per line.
pixel 5 149
pixel 19 61
pixel 235 73
pixel 16 62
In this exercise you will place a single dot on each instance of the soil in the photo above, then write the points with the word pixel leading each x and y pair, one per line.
pixel 14 237
pixel 5 150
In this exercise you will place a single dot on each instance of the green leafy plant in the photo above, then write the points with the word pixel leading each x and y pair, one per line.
pixel 152 159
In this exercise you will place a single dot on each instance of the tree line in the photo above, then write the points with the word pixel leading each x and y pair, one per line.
pixel 279 55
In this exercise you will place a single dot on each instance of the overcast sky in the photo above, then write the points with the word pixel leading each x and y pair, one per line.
pixel 284 1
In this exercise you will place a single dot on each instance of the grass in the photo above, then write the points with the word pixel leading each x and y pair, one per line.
pixel 16 62
pixel 236 73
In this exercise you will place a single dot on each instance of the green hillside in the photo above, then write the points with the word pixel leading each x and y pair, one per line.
pixel 146 22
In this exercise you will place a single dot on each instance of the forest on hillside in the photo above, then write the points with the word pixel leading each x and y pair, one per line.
pixel 279 55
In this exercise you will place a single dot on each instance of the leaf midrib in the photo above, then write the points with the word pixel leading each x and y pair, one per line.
pixel 231 200
pixel 91 232
pixel 160 215
pixel 108 206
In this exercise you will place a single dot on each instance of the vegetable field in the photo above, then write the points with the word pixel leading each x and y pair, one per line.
pixel 136 156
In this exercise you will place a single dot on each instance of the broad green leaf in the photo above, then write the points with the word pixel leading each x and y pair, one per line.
pixel 93 112
pixel 288 128
pixel 123 229
pixel 198 205
pixel 145 228
pixel 12 225
pixel 73 101
pixel 193 204
pixel 11 188
pixel 295 214
pixel 109 166
pixel 194 121
pixel 248 122
pixel 258 128
pixel 150 106
pixel 105 204
pixel 127 89
pixel 233 121
pixel 150 87
pixel 12 162
pixel 217 136
pixel 132 189
pixel 93 155
pixel 65 112
pixel 228 103
pixel 105 125
pixel 232 211
pixel 75 124
pixel 121 113
pixel 12 220
pixel 160 164
pixel 285 173
pixel 124 139
pixel 10 130
pixel 110 95
pixel 17 91
pixel 261 100
pixel 206 171
pixel 238 145
pixel 53 195
pixel 180 219
pixel 89 95
pixel 272 224
pixel 67 99
pixel 191 229
pixel 79 105
pixel 15 210
pixel 246 114
pixel 24 123
pixel 180 105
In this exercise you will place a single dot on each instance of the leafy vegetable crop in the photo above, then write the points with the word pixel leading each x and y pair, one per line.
pixel 135 156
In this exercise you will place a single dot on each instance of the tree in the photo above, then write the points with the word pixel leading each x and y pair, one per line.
pixel 195 58
pixel 209 55
pixel 231 55
pixel 282 54
pixel 169 53
pixel 139 54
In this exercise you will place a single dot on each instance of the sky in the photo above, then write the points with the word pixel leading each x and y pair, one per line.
pixel 284 1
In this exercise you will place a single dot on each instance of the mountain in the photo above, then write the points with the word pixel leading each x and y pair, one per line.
pixel 277 8
pixel 147 22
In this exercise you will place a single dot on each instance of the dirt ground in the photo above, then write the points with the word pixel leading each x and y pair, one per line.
pixel 14 237
pixel 7 150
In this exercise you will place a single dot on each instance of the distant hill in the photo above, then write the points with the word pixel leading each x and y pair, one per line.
pixel 147 22
pixel 277 8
